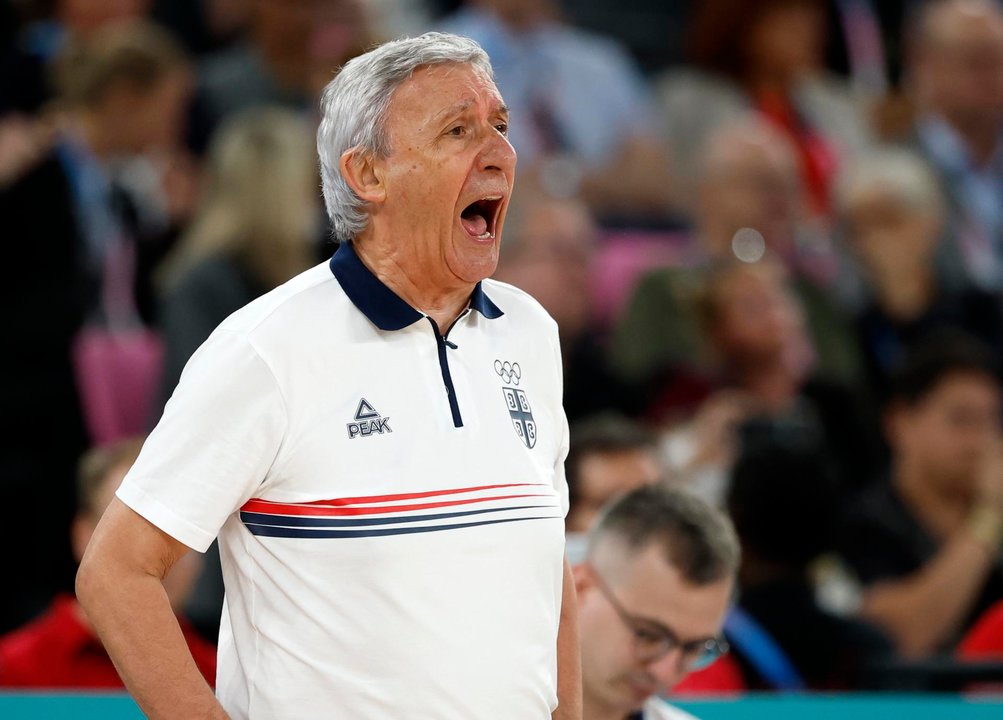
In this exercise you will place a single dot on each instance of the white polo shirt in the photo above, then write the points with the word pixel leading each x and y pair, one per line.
pixel 389 503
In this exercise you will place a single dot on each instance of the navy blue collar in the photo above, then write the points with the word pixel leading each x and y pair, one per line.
pixel 384 308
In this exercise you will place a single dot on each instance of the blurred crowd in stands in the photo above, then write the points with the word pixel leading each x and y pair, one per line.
pixel 770 231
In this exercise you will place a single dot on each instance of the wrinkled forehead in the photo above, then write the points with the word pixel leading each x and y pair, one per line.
pixel 433 89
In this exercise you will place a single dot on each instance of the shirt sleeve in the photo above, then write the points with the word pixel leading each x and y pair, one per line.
pixel 214 445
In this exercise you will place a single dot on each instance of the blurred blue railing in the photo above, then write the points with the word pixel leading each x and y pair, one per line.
pixel 813 707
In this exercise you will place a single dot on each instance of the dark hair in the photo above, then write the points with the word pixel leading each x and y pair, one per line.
pixel 940 354
pixel 697 539
pixel 136 53
pixel 783 500
pixel 604 434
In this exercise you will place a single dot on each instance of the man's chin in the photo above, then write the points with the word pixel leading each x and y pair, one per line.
pixel 631 696
pixel 476 266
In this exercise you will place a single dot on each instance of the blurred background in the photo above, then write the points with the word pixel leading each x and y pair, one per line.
pixel 770 231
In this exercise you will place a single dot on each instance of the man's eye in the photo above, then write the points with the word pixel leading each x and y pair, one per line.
pixel 648 637
pixel 502 128
pixel 458 131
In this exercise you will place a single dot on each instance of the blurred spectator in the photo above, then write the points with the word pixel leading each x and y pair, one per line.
pixel 609 456
pixel 955 75
pixel 65 220
pixel 204 25
pixel 59 649
pixel 26 81
pixel 124 93
pixel 748 204
pixel 293 49
pixel 652 597
pixel 256 227
pixel 764 55
pixel 581 116
pixel 653 30
pixel 894 215
pixel 548 250
pixel 927 543
pixel 784 500
pixel 765 388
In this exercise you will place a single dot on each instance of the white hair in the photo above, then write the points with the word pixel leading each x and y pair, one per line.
pixel 894 173
pixel 354 106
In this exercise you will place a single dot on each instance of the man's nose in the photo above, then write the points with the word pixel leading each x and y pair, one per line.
pixel 497 153
pixel 668 669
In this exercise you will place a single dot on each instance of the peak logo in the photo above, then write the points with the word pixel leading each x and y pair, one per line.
pixel 367 422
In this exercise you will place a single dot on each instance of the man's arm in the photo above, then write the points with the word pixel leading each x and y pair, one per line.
pixel 921 610
pixel 119 585
pixel 569 663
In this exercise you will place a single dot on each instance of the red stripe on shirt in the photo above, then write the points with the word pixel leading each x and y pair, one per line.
pixel 411 496
pixel 268 507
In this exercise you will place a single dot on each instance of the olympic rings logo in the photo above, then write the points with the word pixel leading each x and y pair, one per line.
pixel 510 373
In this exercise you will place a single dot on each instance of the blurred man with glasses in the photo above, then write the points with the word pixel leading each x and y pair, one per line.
pixel 653 593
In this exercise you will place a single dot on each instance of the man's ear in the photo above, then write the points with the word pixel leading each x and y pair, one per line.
pixel 363 174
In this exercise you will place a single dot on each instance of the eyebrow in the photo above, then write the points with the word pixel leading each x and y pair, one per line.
pixel 463 106
pixel 670 632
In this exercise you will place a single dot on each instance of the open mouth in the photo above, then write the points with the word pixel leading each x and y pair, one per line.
pixel 480 217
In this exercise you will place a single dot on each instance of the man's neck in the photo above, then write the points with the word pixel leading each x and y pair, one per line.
pixel 904 294
pixel 982 142
pixel 442 305
pixel 980 136
pixel 772 384
pixel 91 130
pixel 593 709
pixel 938 511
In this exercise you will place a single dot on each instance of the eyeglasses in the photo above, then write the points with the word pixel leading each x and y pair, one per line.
pixel 653 641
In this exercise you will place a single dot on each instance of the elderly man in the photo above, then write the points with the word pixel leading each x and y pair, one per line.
pixel 653 595
pixel 956 76
pixel 378 443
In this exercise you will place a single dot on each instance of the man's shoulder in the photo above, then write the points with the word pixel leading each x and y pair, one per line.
pixel 658 709
pixel 518 305
pixel 279 308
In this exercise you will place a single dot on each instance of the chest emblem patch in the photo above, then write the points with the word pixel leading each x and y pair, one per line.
pixel 516 401
pixel 367 422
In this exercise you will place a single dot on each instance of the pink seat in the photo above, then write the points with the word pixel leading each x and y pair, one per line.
pixel 623 257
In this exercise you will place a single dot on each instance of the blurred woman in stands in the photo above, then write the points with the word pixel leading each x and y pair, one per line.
pixel 258 225
pixel 767 56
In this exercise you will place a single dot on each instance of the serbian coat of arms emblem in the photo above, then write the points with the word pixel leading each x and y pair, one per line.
pixel 517 402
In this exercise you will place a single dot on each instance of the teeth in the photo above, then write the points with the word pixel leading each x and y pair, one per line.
pixel 485 235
